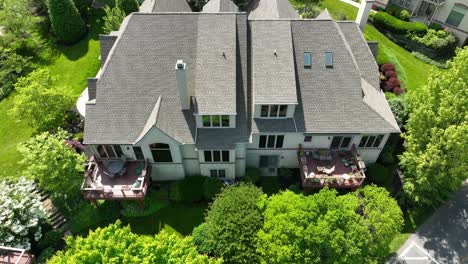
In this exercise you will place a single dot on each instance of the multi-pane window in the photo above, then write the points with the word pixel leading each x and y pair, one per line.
pixel 138 153
pixel 109 151
pixel 216 155
pixel 340 142
pixel 329 59
pixel 271 141
pixel 371 141
pixel 269 161
pixel 456 16
pixel 307 138
pixel 218 173
pixel 215 120
pixel 161 152
pixel 273 111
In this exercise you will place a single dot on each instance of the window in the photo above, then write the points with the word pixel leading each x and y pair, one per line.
pixel 215 120
pixel 221 174
pixel 273 111
pixel 270 161
pixel 307 60
pixel 340 142
pixel 109 151
pixel 456 16
pixel 371 141
pixel 161 152
pixel 216 155
pixel 271 141
pixel 307 138
pixel 138 153
pixel 329 59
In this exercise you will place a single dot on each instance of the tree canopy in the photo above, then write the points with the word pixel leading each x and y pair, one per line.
pixel 57 166
pixel 436 140
pixel 117 244
pixel 232 222
pixel 21 215
pixel 326 228
pixel 66 21
pixel 39 102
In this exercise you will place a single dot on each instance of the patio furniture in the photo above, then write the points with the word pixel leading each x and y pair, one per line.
pixel 329 171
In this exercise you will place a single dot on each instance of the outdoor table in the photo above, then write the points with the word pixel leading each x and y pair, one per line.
pixel 115 166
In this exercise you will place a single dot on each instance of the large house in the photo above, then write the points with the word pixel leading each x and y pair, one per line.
pixel 452 14
pixel 212 93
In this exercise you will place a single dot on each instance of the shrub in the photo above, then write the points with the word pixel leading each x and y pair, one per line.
pixel 404 15
pixel 391 83
pixel 233 220
pixel 441 41
pixel 426 59
pixel 252 175
pixel 12 67
pixel 51 239
pixel 342 16
pixel 85 216
pixel 436 26
pixel 113 19
pixel 83 6
pixel 270 185
pixel 200 238
pixel 211 187
pixel 395 25
pixel 295 188
pixel 21 214
pixel 398 12
pixel 378 173
pixel 399 109
pixel 387 157
pixel 387 67
pixel 188 190
pixel 398 90
pixel 391 74
pixel 130 6
pixel 45 255
pixel 66 22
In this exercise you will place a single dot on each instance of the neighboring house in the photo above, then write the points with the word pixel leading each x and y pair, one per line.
pixel 213 93
pixel 452 14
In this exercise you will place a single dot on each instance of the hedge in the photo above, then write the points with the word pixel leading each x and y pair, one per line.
pixel 393 24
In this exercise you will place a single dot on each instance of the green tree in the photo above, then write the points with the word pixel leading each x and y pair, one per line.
pixel 130 6
pixel 12 66
pixel 232 222
pixel 83 6
pixel 326 228
pixel 57 166
pixel 66 22
pixel 436 140
pixel 117 244
pixel 39 102
pixel 113 19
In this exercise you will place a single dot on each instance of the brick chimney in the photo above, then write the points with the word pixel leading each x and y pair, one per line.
pixel 363 13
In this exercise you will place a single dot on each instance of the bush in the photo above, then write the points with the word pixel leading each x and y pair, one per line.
pixel 52 239
pixel 66 22
pixel 386 21
pixel 391 74
pixel 188 190
pixel 211 187
pixel 83 6
pixel 45 255
pixel 387 157
pixel 399 109
pixel 387 67
pixel 130 6
pixel 398 12
pixel 378 173
pixel 311 11
pixel 405 15
pixel 436 26
pixel 151 206
pixel 442 41
pixel 200 238
pixel 426 59
pixel 252 175
pixel 295 188
pixel 342 16
pixel 391 83
pixel 270 185
pixel 398 90
pixel 84 216
pixel 12 67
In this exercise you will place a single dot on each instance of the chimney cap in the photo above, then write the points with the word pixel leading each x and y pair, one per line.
pixel 180 65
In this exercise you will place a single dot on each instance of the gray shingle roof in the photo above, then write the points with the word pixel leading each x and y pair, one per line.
pixel 271 9
pixel 171 6
pixel 273 76
pixel 214 6
pixel 331 99
pixel 215 78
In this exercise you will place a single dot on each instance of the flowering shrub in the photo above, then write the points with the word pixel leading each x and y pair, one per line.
pixel 436 39
pixel 387 67
pixel 21 215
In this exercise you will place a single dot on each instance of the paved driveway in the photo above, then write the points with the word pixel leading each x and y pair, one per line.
pixel 443 238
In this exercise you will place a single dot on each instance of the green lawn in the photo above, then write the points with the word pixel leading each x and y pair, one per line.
pixel 71 65
pixel 336 7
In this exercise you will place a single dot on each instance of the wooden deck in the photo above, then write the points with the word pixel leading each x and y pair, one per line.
pixel 343 169
pixel 98 185
pixel 10 255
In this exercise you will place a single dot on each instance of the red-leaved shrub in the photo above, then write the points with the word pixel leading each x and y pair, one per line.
pixel 398 90
pixel 392 83
pixel 387 67
pixel 391 74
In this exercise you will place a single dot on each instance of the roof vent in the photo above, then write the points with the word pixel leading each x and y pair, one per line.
pixel 180 65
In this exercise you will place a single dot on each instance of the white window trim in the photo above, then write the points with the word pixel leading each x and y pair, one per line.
pixel 220 121
pixel 367 140
pixel 277 112
pixel 341 142
pixel 266 143
pixel 220 156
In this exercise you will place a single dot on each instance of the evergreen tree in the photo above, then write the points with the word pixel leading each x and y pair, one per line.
pixel 66 21
pixel 130 6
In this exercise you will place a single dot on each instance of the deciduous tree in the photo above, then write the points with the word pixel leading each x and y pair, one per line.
pixel 117 244
pixel 39 102
pixel 436 140
pixel 57 166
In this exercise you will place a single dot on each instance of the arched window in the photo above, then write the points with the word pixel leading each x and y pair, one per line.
pixel 161 152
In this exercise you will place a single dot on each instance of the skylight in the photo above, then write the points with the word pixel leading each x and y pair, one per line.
pixel 307 59
pixel 329 59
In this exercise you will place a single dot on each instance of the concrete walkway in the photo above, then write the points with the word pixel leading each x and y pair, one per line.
pixel 443 238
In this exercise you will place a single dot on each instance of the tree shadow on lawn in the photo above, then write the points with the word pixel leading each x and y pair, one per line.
pixel 182 218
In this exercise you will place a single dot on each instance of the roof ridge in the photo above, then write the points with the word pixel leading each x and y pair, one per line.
pixel 348 47
pixel 151 121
